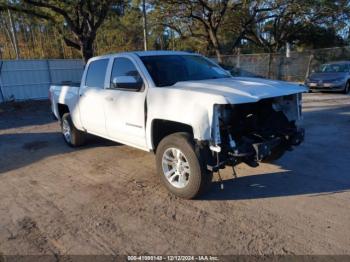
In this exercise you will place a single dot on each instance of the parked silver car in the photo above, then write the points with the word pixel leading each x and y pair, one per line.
pixel 333 76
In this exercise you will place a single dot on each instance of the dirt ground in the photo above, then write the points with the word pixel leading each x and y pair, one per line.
pixel 106 198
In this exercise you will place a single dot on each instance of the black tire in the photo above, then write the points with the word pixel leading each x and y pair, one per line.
pixel 77 137
pixel 199 179
pixel 347 88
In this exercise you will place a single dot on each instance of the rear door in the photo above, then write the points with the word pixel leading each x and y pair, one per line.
pixel 125 109
pixel 92 97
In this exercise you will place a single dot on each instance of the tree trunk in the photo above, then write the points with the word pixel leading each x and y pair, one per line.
pixel 14 34
pixel 87 49
pixel 145 31
pixel 32 34
pixel 8 33
pixel 311 57
pixel 60 44
pixel 269 73
pixel 42 47
pixel 216 45
pixel 63 48
pixel 218 55
pixel 281 67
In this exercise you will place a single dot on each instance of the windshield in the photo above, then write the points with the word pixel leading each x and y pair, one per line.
pixel 334 68
pixel 166 70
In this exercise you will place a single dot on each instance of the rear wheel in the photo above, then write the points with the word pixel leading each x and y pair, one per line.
pixel 72 136
pixel 182 167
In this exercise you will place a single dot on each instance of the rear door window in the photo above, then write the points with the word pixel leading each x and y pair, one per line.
pixel 96 73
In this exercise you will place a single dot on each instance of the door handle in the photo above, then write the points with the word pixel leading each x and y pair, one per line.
pixel 109 99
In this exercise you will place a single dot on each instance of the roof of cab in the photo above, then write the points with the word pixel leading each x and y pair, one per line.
pixel 154 53
pixel 145 53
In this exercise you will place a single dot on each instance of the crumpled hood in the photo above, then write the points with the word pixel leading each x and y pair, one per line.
pixel 241 89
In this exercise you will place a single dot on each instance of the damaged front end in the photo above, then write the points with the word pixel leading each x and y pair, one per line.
pixel 255 132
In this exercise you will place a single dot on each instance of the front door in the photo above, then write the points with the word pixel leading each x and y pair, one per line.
pixel 125 109
pixel 92 98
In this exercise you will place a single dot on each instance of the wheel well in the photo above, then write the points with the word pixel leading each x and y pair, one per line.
pixel 62 109
pixel 163 128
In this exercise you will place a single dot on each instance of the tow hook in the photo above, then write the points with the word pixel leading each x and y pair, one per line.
pixel 221 165
pixel 220 179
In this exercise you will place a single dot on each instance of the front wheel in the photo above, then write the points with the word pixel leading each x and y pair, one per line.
pixel 182 167
pixel 72 136
pixel 276 154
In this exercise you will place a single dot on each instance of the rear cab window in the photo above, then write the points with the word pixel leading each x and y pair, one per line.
pixel 96 73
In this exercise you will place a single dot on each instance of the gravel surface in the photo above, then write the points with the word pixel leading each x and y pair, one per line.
pixel 105 198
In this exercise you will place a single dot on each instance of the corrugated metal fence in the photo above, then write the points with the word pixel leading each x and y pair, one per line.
pixel 30 79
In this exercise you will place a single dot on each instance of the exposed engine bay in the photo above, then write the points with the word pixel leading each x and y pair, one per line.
pixel 255 132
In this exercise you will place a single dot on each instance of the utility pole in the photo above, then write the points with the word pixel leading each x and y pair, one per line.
pixel 1 63
pixel 1 50
pixel 145 34
pixel 14 35
pixel 172 36
pixel 288 50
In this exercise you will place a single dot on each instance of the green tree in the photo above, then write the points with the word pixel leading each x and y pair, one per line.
pixel 196 18
pixel 219 24
pixel 316 36
pixel 283 20
pixel 121 33
pixel 77 21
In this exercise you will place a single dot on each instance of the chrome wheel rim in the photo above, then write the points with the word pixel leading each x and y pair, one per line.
pixel 66 130
pixel 176 168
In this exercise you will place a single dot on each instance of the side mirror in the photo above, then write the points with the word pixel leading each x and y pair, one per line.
pixel 313 71
pixel 127 82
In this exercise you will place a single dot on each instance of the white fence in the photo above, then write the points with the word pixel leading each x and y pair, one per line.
pixel 31 79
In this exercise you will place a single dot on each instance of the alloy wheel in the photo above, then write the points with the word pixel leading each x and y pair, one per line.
pixel 176 167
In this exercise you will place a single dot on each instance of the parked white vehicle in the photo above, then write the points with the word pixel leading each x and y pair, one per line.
pixel 186 109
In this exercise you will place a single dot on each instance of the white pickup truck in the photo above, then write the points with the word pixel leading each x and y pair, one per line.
pixel 190 112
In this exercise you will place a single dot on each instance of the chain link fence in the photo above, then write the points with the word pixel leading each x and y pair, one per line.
pixel 277 66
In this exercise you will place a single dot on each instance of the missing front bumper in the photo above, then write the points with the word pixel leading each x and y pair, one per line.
pixel 252 153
